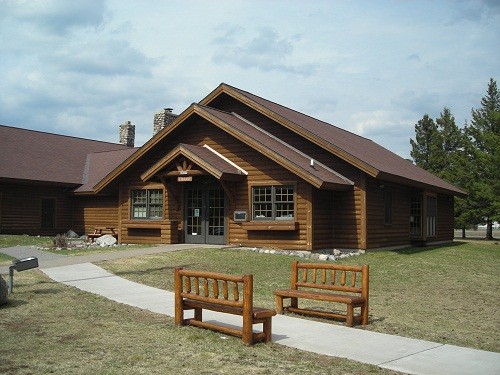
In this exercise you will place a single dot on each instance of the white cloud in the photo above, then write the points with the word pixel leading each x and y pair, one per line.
pixel 373 68
pixel 392 130
pixel 266 51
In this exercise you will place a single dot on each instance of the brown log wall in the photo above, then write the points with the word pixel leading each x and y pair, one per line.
pixel 21 209
pixel 323 213
pixel 445 218
pixel 261 171
pixel 94 211
pixel 381 234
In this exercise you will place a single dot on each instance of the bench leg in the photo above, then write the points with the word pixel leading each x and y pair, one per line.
pixel 294 302
pixel 350 316
pixel 364 313
pixel 198 314
pixel 267 329
pixel 279 304
pixel 247 332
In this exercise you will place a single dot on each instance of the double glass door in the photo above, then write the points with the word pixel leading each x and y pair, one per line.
pixel 205 215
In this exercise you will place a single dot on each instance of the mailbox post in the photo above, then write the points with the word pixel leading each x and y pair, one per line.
pixel 21 265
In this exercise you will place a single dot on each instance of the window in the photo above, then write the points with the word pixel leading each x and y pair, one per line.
pixel 48 213
pixel 388 207
pixel 273 203
pixel 415 216
pixel 147 204
pixel 431 216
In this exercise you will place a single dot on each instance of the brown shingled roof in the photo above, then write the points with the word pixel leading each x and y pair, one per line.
pixel 299 163
pixel 100 164
pixel 39 156
pixel 359 151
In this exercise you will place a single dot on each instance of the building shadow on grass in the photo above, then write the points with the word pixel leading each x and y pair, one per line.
pixel 421 249
pixel 149 270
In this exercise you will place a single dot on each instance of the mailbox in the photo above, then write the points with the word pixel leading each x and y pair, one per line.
pixel 25 263
pixel 21 265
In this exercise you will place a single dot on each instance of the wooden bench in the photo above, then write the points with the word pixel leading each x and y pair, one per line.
pixel 98 232
pixel 198 290
pixel 331 283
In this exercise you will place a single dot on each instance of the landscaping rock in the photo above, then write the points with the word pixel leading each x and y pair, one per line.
pixel 106 240
pixel 71 234
pixel 4 291
pixel 323 255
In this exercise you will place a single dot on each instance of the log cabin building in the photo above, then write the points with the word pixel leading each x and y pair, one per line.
pixel 234 169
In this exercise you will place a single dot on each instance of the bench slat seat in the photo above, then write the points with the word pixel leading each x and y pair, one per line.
pixel 330 283
pixel 257 312
pixel 320 296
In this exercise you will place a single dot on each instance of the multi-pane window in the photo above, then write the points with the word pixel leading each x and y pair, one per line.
pixel 431 216
pixel 273 203
pixel 415 216
pixel 147 204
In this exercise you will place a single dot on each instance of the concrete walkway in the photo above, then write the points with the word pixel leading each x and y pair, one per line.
pixel 386 351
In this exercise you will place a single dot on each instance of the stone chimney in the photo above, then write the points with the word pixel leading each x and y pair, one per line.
pixel 127 134
pixel 162 119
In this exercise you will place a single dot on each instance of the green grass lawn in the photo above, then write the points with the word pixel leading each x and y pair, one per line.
pixel 50 328
pixel 46 243
pixel 447 294
pixel 8 240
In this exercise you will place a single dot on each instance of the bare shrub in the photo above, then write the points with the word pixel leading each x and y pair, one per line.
pixel 61 241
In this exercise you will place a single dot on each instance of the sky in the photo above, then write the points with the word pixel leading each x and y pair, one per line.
pixel 373 67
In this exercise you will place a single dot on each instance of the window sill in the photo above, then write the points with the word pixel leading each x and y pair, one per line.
pixel 271 225
pixel 141 223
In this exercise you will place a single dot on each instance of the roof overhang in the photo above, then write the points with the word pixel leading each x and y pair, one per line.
pixel 452 190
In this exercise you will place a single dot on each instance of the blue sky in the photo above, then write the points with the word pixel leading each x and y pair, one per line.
pixel 83 67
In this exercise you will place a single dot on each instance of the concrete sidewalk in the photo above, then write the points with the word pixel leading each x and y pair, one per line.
pixel 386 351
pixel 47 259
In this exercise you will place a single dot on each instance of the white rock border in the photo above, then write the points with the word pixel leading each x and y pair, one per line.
pixel 330 255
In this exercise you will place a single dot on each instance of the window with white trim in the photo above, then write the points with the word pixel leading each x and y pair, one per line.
pixel 273 203
pixel 147 204
pixel 431 216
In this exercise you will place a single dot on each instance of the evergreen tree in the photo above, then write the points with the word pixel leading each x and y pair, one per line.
pixel 484 134
pixel 426 146
pixel 454 167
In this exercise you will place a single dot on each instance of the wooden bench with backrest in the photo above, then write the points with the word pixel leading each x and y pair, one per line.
pixel 331 283
pixel 199 290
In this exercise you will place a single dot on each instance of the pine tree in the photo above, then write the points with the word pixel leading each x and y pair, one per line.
pixel 455 168
pixel 426 146
pixel 484 134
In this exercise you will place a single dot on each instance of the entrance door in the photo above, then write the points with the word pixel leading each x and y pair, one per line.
pixel 205 215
